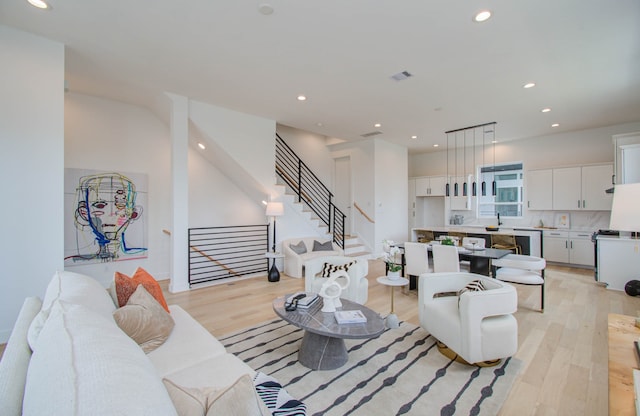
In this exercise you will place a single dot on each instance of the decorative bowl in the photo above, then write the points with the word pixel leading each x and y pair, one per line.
pixel 492 228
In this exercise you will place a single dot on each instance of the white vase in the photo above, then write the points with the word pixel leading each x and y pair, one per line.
pixel 393 275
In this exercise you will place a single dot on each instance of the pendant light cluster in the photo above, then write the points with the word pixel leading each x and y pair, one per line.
pixel 488 132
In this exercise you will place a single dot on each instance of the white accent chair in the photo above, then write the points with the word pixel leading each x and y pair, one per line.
pixel 523 270
pixel 477 326
pixel 445 258
pixel 416 257
pixel 358 290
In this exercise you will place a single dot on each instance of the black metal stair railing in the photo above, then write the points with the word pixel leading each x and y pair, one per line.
pixel 309 189
pixel 217 253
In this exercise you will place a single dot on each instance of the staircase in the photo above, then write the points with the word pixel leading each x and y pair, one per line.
pixel 352 245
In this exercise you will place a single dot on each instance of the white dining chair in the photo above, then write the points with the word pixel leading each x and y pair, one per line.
pixel 416 257
pixel 445 258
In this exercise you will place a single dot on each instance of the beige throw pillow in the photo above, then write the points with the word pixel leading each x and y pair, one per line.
pixel 144 320
pixel 239 399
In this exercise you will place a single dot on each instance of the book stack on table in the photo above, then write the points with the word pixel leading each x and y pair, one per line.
pixel 350 317
pixel 304 303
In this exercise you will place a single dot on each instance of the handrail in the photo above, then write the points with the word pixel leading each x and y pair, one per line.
pixel 309 189
pixel 211 259
pixel 364 214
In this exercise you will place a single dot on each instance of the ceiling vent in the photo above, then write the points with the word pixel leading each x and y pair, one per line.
pixel 401 76
pixel 371 134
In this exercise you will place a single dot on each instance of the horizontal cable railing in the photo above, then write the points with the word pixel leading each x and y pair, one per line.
pixel 217 253
pixel 309 189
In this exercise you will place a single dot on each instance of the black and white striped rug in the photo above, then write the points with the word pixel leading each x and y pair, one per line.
pixel 399 373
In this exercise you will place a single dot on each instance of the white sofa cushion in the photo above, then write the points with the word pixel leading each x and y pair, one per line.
pixel 188 344
pixel 15 360
pixel 294 262
pixel 74 288
pixel 85 365
pixel 215 372
pixel 240 398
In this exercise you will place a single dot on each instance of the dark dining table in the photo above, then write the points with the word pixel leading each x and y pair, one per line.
pixel 479 260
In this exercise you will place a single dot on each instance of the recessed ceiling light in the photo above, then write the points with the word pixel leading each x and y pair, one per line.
pixel 494 141
pixel 436 145
pixel 40 4
pixel 319 124
pixel 555 125
pixel 546 110
pixel 201 146
pixel 482 16
pixel 265 9
pixel 414 137
pixel 377 125
pixel 302 98
pixel 529 85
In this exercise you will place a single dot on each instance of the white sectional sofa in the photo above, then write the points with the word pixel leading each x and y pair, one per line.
pixel 68 356
pixel 294 261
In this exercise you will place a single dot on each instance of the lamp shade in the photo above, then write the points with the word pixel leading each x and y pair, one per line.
pixel 625 211
pixel 274 209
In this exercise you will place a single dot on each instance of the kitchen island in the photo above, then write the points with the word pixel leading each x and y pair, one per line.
pixel 529 239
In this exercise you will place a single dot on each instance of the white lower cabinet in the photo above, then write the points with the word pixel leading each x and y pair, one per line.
pixel 573 247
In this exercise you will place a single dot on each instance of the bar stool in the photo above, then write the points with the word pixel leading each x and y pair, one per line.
pixel 505 242
pixel 522 269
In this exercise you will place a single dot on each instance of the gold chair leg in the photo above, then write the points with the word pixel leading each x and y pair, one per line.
pixel 452 355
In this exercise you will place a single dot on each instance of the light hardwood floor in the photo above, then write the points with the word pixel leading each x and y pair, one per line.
pixel 563 350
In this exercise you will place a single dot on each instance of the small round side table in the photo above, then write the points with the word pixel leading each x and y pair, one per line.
pixel 392 318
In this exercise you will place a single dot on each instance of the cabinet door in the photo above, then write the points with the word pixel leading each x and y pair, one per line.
pixel 438 184
pixel 582 252
pixel 539 189
pixel 556 249
pixel 422 186
pixel 595 180
pixel 567 188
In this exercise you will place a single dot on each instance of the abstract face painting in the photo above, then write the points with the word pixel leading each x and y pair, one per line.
pixel 105 209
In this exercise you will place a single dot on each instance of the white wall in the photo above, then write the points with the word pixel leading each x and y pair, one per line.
pixel 216 201
pixel 109 135
pixel 31 168
pixel 391 190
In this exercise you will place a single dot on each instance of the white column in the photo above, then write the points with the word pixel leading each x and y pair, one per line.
pixel 180 193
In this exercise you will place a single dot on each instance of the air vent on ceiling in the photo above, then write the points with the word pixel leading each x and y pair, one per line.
pixel 373 133
pixel 401 76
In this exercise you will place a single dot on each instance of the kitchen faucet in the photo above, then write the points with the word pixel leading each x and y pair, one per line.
pixel 499 222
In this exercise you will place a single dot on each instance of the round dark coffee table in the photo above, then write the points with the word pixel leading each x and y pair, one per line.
pixel 322 346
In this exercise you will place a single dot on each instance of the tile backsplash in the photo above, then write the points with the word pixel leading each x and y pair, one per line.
pixel 578 220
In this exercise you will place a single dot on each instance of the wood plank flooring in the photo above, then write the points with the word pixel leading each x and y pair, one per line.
pixel 563 350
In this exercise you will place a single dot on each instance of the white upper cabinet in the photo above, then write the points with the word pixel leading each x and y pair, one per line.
pixel 460 202
pixel 582 188
pixel 539 189
pixel 431 186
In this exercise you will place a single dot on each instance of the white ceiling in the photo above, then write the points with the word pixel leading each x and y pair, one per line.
pixel 584 56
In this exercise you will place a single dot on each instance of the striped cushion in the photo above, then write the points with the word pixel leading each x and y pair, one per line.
pixel 328 268
pixel 279 402
pixel 473 286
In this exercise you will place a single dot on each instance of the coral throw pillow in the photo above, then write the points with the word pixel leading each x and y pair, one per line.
pixel 125 286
